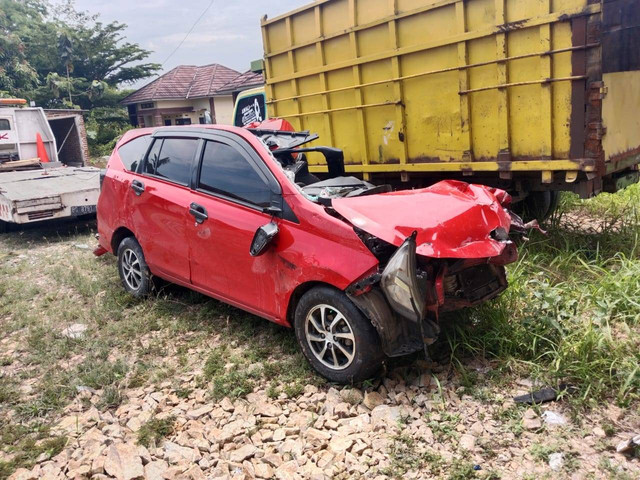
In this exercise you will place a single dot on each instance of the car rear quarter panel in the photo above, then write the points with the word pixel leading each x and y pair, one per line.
pixel 112 213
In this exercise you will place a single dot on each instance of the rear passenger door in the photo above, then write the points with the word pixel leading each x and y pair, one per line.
pixel 233 187
pixel 159 198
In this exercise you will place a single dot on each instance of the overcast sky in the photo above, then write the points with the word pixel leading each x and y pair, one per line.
pixel 229 33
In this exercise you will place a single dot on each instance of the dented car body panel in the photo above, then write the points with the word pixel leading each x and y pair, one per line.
pixel 453 219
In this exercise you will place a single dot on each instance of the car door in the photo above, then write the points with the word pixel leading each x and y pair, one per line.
pixel 159 205
pixel 233 188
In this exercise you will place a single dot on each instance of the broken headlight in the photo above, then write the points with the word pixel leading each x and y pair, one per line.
pixel 400 282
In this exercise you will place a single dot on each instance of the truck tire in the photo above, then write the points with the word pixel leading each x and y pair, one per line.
pixel 539 205
pixel 133 269
pixel 337 340
pixel 3 227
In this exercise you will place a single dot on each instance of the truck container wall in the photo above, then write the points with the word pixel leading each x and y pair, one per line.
pixel 530 94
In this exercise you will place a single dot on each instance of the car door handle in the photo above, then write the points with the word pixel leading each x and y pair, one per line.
pixel 137 187
pixel 199 212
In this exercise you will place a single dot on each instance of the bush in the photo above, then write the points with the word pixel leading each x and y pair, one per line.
pixel 105 125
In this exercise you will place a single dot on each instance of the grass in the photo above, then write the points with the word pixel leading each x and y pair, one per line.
pixel 25 443
pixel 572 312
pixel 155 430
pixel 571 315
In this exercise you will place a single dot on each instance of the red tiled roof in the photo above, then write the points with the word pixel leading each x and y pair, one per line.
pixel 243 81
pixel 184 81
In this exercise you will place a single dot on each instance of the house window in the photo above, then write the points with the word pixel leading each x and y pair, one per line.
pixel 147 106
pixel 167 122
pixel 183 121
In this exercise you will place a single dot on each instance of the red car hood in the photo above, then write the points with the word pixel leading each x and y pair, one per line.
pixel 453 219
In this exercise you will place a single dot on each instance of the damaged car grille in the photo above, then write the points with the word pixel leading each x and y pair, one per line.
pixel 473 286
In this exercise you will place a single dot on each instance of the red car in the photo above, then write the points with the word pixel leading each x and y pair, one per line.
pixel 360 273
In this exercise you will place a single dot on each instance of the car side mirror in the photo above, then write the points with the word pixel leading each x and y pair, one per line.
pixel 263 237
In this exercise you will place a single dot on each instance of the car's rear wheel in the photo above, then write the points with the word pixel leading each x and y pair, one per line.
pixel 339 342
pixel 133 269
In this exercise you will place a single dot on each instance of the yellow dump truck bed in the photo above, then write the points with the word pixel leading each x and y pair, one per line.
pixel 531 95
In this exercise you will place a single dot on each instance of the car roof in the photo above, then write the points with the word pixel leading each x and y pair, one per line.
pixel 177 129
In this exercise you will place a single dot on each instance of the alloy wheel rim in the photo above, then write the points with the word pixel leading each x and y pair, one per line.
pixel 131 269
pixel 330 337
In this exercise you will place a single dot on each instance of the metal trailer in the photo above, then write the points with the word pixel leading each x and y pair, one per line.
pixel 530 96
pixel 32 190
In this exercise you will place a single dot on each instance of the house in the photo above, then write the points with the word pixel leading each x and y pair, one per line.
pixel 245 81
pixel 186 95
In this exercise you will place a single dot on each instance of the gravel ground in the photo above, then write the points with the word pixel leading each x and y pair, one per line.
pixel 156 403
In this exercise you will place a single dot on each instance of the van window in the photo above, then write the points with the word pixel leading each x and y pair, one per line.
pixel 132 153
pixel 4 124
pixel 227 172
pixel 172 159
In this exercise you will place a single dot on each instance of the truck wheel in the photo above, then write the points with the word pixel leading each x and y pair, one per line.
pixel 3 227
pixel 339 342
pixel 539 205
pixel 133 269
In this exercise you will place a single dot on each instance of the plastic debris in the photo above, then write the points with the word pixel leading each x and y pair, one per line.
pixel 553 418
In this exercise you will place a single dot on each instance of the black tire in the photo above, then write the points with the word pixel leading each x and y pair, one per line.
pixel 3 227
pixel 133 269
pixel 539 206
pixel 365 349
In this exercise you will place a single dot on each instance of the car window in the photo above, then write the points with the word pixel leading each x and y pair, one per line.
pixel 132 153
pixel 227 172
pixel 152 159
pixel 172 159
pixel 4 124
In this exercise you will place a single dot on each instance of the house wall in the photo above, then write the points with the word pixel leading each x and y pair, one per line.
pixel 223 106
pixel 224 109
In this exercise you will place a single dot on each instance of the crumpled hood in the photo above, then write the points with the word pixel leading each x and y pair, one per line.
pixel 453 219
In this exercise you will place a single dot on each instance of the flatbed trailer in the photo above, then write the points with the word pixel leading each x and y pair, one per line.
pixel 49 193
pixel 42 172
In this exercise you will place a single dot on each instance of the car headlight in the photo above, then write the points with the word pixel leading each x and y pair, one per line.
pixel 400 282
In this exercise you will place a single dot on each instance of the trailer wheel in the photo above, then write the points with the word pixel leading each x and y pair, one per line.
pixel 133 269
pixel 539 205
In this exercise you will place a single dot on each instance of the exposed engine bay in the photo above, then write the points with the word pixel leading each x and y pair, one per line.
pixel 287 148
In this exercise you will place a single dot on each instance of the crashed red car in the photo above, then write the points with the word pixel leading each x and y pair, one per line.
pixel 361 273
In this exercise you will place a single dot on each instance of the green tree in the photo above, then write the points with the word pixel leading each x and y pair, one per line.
pixel 16 73
pixel 66 57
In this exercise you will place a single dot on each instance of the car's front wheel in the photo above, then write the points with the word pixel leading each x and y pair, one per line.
pixel 133 269
pixel 339 342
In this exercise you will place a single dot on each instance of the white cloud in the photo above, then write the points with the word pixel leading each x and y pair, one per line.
pixel 228 34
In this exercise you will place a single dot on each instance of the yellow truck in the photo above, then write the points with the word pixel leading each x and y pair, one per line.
pixel 535 96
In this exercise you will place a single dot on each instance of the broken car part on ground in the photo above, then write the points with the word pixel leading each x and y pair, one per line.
pixel 360 272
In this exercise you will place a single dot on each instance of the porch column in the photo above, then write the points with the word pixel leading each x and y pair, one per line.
pixel 157 120
pixel 212 109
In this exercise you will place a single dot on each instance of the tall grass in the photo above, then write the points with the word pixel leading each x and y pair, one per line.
pixel 572 312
